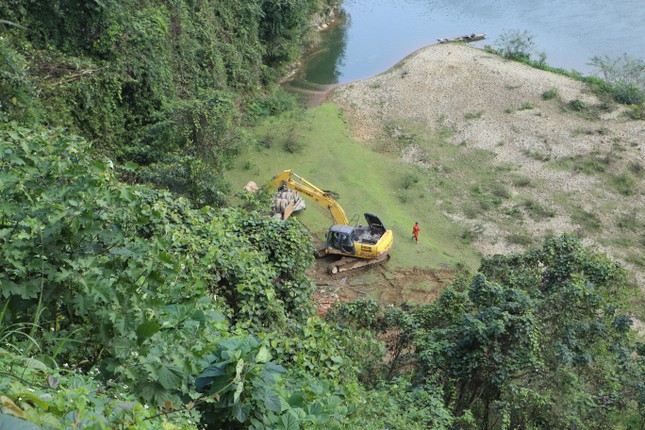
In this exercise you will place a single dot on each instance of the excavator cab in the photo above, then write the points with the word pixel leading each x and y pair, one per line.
pixel 359 245
pixel 341 238
pixel 345 238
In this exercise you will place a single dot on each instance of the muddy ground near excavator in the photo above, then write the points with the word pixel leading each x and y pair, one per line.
pixel 388 286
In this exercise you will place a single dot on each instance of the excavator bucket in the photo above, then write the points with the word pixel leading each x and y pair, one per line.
pixel 288 210
pixel 286 202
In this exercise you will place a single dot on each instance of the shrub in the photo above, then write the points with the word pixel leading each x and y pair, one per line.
pixel 474 115
pixel 626 75
pixel 63 397
pixel 551 94
pixel 409 180
pixel 17 93
pixel 500 190
pixel 537 211
pixel 636 168
pixel 275 103
pixel 516 45
pixel 292 145
pixel 636 112
pixel 578 105
pixel 628 94
pixel 267 141
pixel 471 234
pixel 624 183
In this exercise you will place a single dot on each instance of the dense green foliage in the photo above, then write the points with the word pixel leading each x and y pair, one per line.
pixel 162 84
pixel 57 398
pixel 16 89
pixel 134 285
pixel 206 316
pixel 537 340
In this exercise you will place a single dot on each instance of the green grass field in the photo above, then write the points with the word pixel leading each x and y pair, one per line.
pixel 316 144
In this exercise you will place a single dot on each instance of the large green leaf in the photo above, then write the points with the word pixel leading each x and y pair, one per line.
pixel 32 363
pixel 146 331
pixel 272 401
pixel 170 376
pixel 241 412
pixel 263 355
pixel 289 422
pixel 7 422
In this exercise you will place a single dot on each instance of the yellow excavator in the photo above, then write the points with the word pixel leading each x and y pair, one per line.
pixel 358 245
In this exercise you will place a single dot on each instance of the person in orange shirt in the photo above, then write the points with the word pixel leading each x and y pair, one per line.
pixel 415 231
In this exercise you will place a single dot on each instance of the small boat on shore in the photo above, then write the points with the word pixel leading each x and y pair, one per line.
pixel 467 38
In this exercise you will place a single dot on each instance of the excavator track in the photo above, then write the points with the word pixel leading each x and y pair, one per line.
pixel 350 263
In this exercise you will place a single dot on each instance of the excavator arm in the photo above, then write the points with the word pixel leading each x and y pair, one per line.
pixel 306 188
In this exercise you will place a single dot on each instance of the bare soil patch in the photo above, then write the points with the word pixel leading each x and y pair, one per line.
pixel 379 282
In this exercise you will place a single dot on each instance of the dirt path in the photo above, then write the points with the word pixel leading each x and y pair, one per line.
pixel 389 288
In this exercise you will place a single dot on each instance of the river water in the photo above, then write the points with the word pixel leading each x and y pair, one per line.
pixel 376 34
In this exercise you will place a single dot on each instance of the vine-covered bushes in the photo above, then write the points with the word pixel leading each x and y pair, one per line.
pixel 160 83
pixel 17 90
pixel 39 396
pixel 136 284
pixel 535 340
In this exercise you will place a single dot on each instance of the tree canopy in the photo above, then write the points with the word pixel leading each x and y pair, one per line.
pixel 166 85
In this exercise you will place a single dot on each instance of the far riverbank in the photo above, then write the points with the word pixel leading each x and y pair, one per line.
pixel 379 33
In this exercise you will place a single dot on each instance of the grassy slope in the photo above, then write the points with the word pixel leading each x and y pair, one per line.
pixel 366 181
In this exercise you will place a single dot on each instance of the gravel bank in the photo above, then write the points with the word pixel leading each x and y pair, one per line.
pixel 493 104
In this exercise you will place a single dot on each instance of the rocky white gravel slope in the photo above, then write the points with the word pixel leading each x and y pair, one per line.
pixel 497 105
